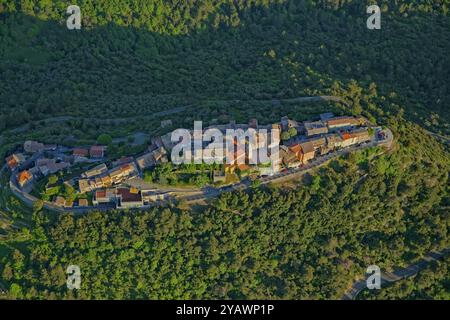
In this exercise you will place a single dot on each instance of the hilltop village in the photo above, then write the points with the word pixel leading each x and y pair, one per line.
pixel 84 177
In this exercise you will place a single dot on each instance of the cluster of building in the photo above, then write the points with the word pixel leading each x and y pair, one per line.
pixel 312 139
pixel 83 154
pixel 157 153
pixel 40 160
pixel 321 137
pixel 101 177
pixel 296 154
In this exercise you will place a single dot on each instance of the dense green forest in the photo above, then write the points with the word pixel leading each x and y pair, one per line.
pixel 144 56
pixel 227 60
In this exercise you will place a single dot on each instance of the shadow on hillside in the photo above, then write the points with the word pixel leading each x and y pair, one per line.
pixel 285 51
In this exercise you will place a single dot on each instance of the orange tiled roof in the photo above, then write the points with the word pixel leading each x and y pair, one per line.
pixel 24 176
pixel 346 136
pixel 12 162
pixel 295 148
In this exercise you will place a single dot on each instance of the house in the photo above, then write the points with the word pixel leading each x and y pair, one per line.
pixel 84 186
pixel 106 181
pixel 146 161
pixel 347 139
pixel 129 198
pixel 126 171
pixel 58 166
pixel 286 124
pixel 83 203
pixel 104 196
pixel 15 160
pixel 33 147
pixel 307 151
pixel 304 151
pixel 345 122
pixel 334 141
pixel 80 153
pixel 289 158
pixel 50 166
pixel 42 162
pixel 296 149
pixel 361 135
pixel 97 152
pixel 24 177
pixel 318 142
pixel 167 142
pixel 121 161
pixel 315 128
pixel 96 171
pixel 160 155
pixel 60 201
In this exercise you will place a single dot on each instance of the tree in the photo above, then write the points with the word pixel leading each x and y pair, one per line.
pixel 15 290
pixel 285 135
pixel 53 179
pixel 104 139
pixel 7 272
pixel 292 132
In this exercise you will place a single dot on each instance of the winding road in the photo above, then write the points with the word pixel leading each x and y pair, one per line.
pixel 399 274
pixel 167 112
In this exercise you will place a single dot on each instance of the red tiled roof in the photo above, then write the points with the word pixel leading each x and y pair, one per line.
pixel 128 196
pixel 96 151
pixel 346 136
pixel 100 194
pixel 80 152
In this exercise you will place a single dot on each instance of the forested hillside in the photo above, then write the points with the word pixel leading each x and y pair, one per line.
pixel 307 241
pixel 231 60
pixel 143 56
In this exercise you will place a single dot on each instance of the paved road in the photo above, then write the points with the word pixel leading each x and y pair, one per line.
pixel 57 119
pixel 443 139
pixel 163 113
pixel 399 274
